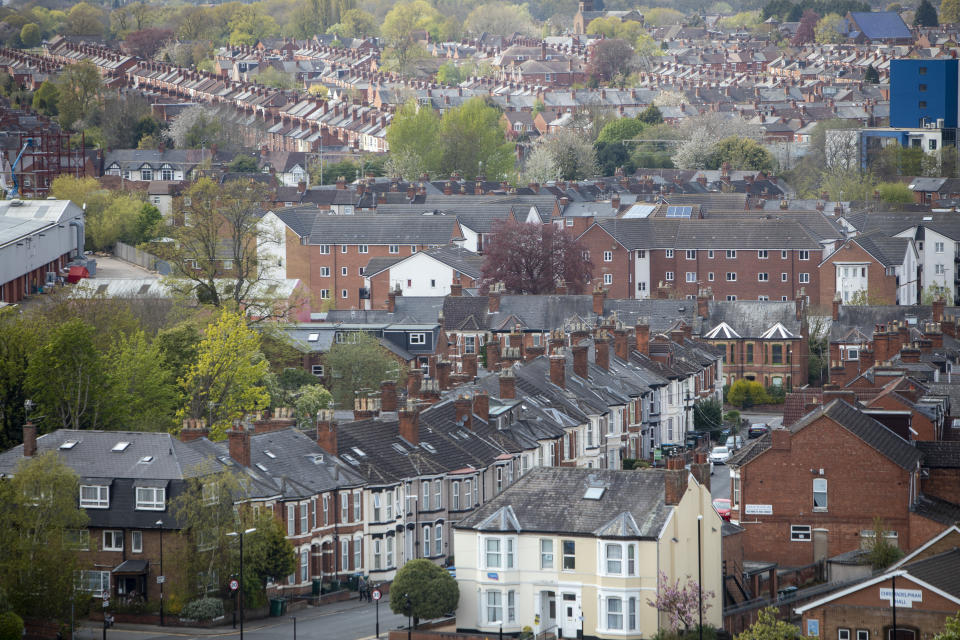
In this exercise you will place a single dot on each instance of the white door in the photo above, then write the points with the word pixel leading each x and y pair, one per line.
pixel 569 615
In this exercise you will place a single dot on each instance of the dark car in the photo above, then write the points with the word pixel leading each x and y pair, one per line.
pixel 757 429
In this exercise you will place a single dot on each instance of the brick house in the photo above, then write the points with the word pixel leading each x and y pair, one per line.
pixel 643 258
pixel 884 269
pixel 435 272
pixel 817 507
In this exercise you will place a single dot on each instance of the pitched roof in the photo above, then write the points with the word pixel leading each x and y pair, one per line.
pixel 630 505
pixel 881 25
pixel 940 454
pixel 752 318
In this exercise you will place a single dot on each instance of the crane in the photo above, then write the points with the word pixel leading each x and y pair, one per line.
pixel 13 193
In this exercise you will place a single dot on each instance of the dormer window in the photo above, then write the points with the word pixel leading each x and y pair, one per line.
pixel 146 173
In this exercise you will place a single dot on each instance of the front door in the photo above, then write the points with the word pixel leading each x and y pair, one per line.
pixel 569 615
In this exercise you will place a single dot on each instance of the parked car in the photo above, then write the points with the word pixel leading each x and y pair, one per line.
pixel 722 505
pixel 734 442
pixel 757 429
pixel 720 455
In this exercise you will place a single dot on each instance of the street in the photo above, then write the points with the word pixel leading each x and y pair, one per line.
pixel 720 480
pixel 351 620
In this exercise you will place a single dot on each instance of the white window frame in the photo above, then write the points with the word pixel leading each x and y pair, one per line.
pixel 393 248
pixel 668 276
pixel 691 254
pixel 627 558
pixel 291 520
pixel 608 256
pixel 762 254
pixel 546 553
pixel 501 549
pixel 356 505
pixel 418 338
pixel 151 498
pixel 804 278
pixel 96 583
pixel 763 276
pixel 801 533
pixel 362 248
pixel 669 253
pixel 136 541
pixel 102 499
pixel 113 535
pixel 820 487
pixel 731 276
pixel 608 278
pixel 803 254
pixel 731 254
pixel 323 249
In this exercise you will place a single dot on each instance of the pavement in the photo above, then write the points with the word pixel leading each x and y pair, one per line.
pixel 112 267
pixel 348 620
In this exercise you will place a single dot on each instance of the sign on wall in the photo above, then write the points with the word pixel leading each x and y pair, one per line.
pixel 813 628
pixel 905 597
pixel 758 510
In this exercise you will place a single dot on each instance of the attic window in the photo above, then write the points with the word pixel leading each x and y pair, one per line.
pixel 429 447
pixel 146 459
pixel 317 459
pixel 225 460
pixel 69 444
pixel 269 454
pixel 593 493
pixel 120 446
pixel 349 458
pixel 399 448
pixel 313 337
pixel 358 451
pixel 927 218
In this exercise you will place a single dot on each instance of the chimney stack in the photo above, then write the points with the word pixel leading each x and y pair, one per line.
pixel 674 481
pixel 388 395
pixel 599 296
pixel 327 431
pixel 493 297
pixel 508 385
pixel 29 440
pixel 580 360
pixel 621 344
pixel 443 374
pixel 414 380
pixel 481 405
pixel 601 347
pixel 193 429
pixel 463 411
pixel 409 424
pixel 493 353
pixel 643 336
pixel 239 444
pixel 558 363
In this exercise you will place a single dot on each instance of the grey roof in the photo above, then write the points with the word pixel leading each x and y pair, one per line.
pixel 719 234
pixel 32 216
pixel 865 318
pixel 751 318
pixel 887 251
pixel 936 509
pixel 942 454
pixel 631 505
pixel 322 228
pixel 408 309
pixel 462 260
pixel 942 571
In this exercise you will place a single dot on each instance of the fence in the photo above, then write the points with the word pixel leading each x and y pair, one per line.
pixel 146 260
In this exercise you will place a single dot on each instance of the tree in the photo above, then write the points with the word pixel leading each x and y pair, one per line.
pixel 871 75
pixel 45 99
pixel 40 518
pixel 118 221
pixel 222 225
pixel 400 26
pixel 68 380
pixel 18 339
pixel 224 382
pixel 499 18
pixel 146 395
pixel 30 35
pixel 741 154
pixel 79 91
pixel 767 627
pixel 696 152
pixel 356 23
pixel 806 30
pixel 121 119
pixel 745 393
pixel 896 192
pixel 488 151
pixel 620 130
pixel 926 15
pixel 951 628
pixel 682 605
pixel 178 346
pixel 829 29
pixel 651 115
pixel 950 11
pixel 198 126
pixel 708 415
pixel 146 42
pixel 572 153
pixel 612 156
pixel 423 590
pixel 86 20
pixel 268 556
pixel 609 58
pixel 11 626
pixel 881 553
pixel 533 258
pixel 312 399
pixel 449 74
pixel 359 363
pixel 414 133
pixel 243 163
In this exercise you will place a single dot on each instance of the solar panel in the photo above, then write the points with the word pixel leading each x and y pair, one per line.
pixel 679 212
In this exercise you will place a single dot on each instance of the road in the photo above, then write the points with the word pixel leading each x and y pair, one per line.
pixel 720 480
pixel 351 620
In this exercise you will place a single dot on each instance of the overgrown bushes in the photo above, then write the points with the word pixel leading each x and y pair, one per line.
pixel 203 609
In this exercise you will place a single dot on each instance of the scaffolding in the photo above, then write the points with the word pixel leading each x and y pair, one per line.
pixel 50 156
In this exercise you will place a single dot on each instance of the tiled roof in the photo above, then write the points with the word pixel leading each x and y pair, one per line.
pixel 942 571
pixel 936 509
pixel 942 454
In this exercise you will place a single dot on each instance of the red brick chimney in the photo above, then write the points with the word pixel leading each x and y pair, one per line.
pixel 443 374
pixel 194 429
pixel 938 306
pixel 599 295
pixel 277 420
pixel 327 431
pixel 580 360
pixel 493 353
pixel 601 351
pixel 836 307
pixel 621 342
pixel 463 411
pixel 703 302
pixel 414 380
pixel 365 407
pixel 493 297
pixel 388 395
pixel 481 405
pixel 558 365
pixel 409 423
pixel 674 481
pixel 456 289
pixel 29 440
pixel 392 299
pixel 508 385
pixel 643 337
pixel 239 444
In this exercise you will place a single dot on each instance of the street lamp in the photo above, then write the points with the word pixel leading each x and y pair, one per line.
pixel 234 534
pixel 409 611
pixel 162 578
pixel 700 572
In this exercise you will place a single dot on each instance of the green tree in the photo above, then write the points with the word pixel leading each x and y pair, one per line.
pixel 68 379
pixel 146 393
pixel 651 115
pixel 895 192
pixel 449 74
pixel 147 225
pixel 620 130
pixel 708 416
pixel 745 393
pixel 79 91
pixel 243 163
pixel 11 626
pixel 423 590
pixel 178 346
pixel 358 363
pixel 356 23
pixel 312 399
pixel 829 29
pixel 926 15
pixel 117 221
pixel 40 516
pixel 400 26
pixel 225 381
pixel 740 153
pixel 268 555
pixel 499 18
pixel 86 20
pixel 951 628
pixel 30 35
pixel 489 152
pixel 871 75
pixel 45 99
pixel 950 11
pixel 18 339
pixel 414 132
pixel 881 553
pixel 767 627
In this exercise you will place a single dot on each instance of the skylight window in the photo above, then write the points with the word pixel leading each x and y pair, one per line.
pixel 261 467
pixel 429 447
pixel 146 459
pixel 358 451
pixel 313 337
pixel 349 458
pixel 399 448
pixel 120 446
pixel 269 454
pixel 593 493
pixel 69 444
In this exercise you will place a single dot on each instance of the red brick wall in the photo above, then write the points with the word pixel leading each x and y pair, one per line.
pixel 783 479
pixel 942 483
pixel 881 288
pixel 747 265
pixel 794 374
pixel 596 241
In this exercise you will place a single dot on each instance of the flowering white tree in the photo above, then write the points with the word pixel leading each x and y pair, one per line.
pixel 680 604
pixel 693 153
pixel 540 166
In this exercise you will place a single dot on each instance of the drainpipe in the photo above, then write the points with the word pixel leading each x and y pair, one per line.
pixel 80 236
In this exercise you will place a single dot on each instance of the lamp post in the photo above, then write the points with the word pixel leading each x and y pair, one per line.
pixel 234 534
pixel 700 572
pixel 162 578
pixel 409 611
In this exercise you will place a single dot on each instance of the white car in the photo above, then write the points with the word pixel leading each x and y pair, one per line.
pixel 719 455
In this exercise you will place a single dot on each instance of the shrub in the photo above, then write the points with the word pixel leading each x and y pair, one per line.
pixel 746 393
pixel 203 609
pixel 11 626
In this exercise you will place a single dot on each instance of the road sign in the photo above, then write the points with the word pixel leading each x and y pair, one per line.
pixel 375 594
pixel 161 579
pixel 234 585
pixel 106 603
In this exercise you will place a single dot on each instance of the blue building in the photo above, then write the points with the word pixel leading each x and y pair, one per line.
pixel 924 93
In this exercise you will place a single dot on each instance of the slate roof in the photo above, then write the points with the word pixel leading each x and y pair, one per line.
pixel 718 234
pixel 933 508
pixel 321 228
pixel 887 251
pixel 298 465
pixel 458 258
pixel 751 318
pixel 942 454
pixel 864 318
pixel 881 25
pixel 941 571
pixel 631 506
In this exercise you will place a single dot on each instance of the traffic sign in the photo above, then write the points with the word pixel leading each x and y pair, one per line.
pixel 106 603
pixel 234 585
pixel 375 594
pixel 161 579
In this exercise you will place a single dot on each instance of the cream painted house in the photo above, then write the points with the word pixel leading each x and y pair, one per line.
pixel 566 549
